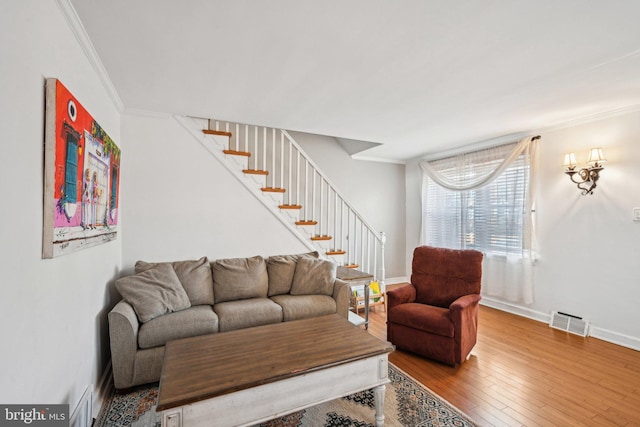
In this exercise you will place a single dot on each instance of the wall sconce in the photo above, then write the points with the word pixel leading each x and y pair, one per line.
pixel 589 175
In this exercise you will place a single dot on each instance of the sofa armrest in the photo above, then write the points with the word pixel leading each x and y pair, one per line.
pixel 401 295
pixel 123 337
pixel 341 291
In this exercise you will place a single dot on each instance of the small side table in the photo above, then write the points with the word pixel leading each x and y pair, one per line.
pixel 357 277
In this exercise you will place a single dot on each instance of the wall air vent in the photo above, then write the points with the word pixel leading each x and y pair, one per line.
pixel 569 323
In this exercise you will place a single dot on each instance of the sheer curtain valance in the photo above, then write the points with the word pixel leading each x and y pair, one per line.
pixel 469 171
pixel 485 200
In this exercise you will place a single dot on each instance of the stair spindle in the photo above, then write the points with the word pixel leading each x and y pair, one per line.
pixel 354 237
pixel 290 159
pixel 281 160
pixel 273 157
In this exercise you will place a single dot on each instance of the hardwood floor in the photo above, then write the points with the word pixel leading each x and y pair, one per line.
pixel 524 373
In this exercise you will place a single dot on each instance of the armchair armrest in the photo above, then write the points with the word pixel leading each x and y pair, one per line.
pixel 464 316
pixel 341 291
pixel 123 337
pixel 463 302
pixel 401 295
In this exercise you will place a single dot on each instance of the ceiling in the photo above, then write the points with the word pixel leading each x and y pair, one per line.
pixel 414 77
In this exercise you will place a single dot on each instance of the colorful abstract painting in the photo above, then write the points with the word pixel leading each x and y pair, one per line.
pixel 82 176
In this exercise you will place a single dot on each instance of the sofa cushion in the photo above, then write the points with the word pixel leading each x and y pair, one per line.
pixel 195 277
pixel 194 321
pixel 153 292
pixel 246 313
pixel 239 278
pixel 314 277
pixel 281 269
pixel 296 307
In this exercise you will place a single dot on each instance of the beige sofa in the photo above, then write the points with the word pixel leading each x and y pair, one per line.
pixel 169 301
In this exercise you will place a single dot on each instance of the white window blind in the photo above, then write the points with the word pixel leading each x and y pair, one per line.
pixel 494 217
pixel 489 219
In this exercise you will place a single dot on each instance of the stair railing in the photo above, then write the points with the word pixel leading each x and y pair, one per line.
pixel 289 170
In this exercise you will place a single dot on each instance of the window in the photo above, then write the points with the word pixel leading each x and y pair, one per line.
pixel 484 200
pixel 490 219
pixel 71 170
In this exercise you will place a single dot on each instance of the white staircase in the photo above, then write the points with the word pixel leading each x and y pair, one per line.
pixel 272 166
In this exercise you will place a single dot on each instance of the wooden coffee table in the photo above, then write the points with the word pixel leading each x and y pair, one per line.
pixel 244 377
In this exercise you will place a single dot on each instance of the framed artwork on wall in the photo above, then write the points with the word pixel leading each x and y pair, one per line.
pixel 81 176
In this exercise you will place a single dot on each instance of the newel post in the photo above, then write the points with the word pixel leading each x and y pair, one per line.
pixel 383 240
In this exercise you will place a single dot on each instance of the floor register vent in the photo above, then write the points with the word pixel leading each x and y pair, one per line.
pixel 570 323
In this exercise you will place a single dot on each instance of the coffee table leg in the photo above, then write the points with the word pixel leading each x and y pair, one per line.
pixel 378 397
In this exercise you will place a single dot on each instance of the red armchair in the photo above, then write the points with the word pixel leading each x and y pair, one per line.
pixel 436 316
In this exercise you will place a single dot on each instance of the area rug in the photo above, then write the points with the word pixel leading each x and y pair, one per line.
pixel 407 403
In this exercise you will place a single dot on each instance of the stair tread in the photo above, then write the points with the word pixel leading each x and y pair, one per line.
pixel 336 252
pixel 255 172
pixel 329 248
pixel 216 132
pixel 237 153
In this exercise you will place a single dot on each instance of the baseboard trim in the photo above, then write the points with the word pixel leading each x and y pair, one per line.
pixel 594 331
pixel 394 280
pixel 515 309
pixel 615 338
pixel 103 390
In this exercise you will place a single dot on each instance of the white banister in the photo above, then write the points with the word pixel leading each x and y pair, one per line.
pixel 321 201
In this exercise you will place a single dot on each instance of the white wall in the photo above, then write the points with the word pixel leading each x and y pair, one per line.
pixel 181 203
pixel 376 190
pixel 52 312
pixel 589 247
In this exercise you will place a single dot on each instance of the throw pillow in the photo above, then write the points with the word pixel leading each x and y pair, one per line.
pixel 154 292
pixel 281 269
pixel 239 278
pixel 195 277
pixel 314 277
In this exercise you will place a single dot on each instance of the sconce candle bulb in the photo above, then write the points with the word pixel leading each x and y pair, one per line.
pixel 569 161
pixel 588 176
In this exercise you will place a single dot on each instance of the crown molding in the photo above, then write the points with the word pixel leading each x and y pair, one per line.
pixel 592 118
pixel 505 139
pixel 377 159
pixel 81 35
